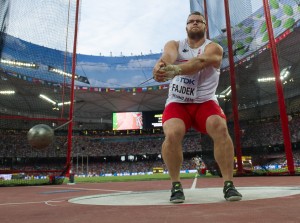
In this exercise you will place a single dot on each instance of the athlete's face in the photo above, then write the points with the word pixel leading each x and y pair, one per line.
pixel 196 27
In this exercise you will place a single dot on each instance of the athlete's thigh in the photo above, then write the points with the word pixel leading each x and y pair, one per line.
pixel 177 111
pixel 204 111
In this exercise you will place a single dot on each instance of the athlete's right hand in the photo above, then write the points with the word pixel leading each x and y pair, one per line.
pixel 163 72
pixel 158 73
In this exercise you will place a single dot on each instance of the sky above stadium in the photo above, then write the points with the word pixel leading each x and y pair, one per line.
pixel 107 28
pixel 130 26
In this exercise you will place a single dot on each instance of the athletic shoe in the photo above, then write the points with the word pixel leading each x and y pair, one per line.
pixel 230 193
pixel 177 195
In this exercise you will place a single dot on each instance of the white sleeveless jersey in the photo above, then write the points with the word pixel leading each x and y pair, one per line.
pixel 197 88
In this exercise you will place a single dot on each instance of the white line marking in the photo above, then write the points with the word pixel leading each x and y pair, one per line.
pixel 48 202
pixel 36 202
pixel 80 188
pixel 193 187
pixel 60 199
pixel 65 198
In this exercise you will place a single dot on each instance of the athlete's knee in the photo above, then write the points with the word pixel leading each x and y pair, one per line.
pixel 174 130
pixel 216 127
pixel 174 135
pixel 172 145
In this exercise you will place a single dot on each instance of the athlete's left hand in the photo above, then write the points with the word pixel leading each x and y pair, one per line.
pixel 171 71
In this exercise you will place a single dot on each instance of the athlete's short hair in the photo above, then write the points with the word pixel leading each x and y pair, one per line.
pixel 196 13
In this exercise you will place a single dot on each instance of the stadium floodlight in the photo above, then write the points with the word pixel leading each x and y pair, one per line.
pixel 61 72
pixel 225 93
pixel 7 92
pixel 228 92
pixel 69 75
pixel 285 72
pixel 266 79
pixel 65 103
pixel 47 99
pixel 19 63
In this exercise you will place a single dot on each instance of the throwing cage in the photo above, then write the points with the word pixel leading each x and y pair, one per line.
pixel 259 80
pixel 38 53
pixel 259 84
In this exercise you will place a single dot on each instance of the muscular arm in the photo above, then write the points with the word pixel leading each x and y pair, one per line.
pixel 169 56
pixel 170 53
pixel 212 57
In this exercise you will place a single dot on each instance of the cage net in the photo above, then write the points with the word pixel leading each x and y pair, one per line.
pixel 36 51
pixel 260 119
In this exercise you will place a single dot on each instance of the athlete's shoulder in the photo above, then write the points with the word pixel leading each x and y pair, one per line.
pixel 173 42
pixel 213 44
pixel 215 47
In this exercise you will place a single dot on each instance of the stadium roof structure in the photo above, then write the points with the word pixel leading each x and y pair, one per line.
pixel 117 84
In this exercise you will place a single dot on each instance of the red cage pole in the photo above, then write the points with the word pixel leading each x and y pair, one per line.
pixel 233 92
pixel 70 126
pixel 281 103
pixel 206 18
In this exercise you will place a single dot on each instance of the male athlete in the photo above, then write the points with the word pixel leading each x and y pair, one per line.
pixel 193 66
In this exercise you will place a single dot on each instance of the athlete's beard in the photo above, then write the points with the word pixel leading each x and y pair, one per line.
pixel 196 35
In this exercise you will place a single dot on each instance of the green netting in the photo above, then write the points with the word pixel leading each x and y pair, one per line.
pixel 259 116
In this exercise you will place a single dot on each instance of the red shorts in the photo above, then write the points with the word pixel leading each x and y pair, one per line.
pixel 193 115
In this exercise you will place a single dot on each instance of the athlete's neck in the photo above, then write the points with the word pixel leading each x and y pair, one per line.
pixel 195 43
